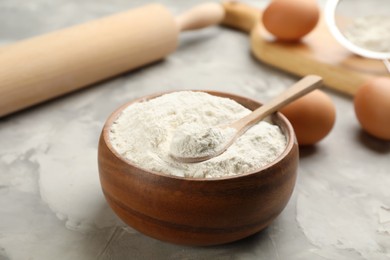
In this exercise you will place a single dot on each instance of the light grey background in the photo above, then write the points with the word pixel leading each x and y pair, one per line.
pixel 340 208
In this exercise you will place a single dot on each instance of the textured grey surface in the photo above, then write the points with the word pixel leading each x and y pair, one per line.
pixel 340 208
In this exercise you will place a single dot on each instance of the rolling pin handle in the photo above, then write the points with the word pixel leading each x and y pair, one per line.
pixel 201 16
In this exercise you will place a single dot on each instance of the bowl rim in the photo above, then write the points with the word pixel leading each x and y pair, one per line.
pixel 291 139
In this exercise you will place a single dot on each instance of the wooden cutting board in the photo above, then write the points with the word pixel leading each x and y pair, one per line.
pixel 317 53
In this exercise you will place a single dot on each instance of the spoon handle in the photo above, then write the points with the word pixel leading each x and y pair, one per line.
pixel 299 89
pixel 387 64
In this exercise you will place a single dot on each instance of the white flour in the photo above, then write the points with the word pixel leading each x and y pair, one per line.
pixel 370 32
pixel 192 140
pixel 143 133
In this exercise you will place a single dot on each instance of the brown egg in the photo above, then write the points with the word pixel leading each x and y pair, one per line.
pixel 372 107
pixel 290 20
pixel 312 117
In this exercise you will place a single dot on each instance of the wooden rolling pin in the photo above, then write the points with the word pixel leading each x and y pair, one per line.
pixel 51 65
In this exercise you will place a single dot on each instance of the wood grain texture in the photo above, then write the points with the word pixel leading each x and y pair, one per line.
pixel 197 211
pixel 318 53
pixel 51 65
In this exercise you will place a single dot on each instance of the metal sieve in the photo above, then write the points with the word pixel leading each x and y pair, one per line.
pixel 341 14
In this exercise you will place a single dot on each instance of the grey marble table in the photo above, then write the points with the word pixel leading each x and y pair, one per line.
pixel 51 205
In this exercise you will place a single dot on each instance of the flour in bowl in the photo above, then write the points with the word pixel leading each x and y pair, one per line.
pixel 143 133
pixel 194 141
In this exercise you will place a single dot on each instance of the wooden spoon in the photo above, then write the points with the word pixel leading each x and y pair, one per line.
pixel 239 127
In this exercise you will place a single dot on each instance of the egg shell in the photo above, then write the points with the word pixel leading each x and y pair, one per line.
pixel 372 107
pixel 312 117
pixel 290 20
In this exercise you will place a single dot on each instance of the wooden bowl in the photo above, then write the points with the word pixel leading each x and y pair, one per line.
pixel 198 211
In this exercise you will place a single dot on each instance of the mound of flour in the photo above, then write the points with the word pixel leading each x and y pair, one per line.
pixel 194 141
pixel 143 132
